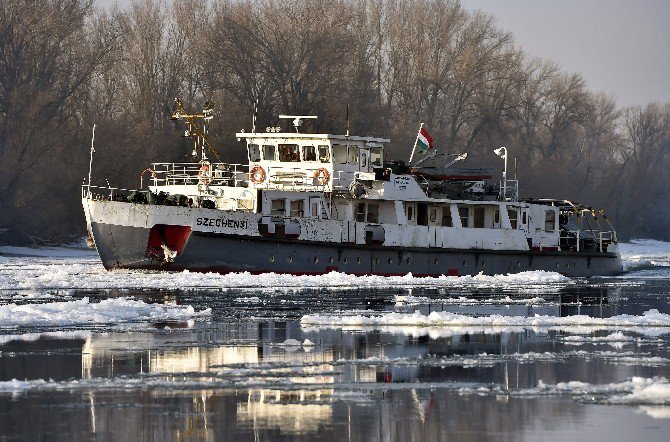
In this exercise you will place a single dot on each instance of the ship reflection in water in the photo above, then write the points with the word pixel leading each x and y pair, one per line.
pixel 265 379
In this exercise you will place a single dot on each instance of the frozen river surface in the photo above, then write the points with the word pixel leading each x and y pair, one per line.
pixel 86 353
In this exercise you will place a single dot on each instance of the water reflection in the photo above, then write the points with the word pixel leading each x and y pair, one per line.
pixel 255 378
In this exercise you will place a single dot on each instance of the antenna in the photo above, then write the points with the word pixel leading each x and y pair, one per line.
pixel 298 120
pixel 253 118
pixel 347 119
pixel 90 163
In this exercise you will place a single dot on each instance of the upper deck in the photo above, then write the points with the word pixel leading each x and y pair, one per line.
pixel 304 161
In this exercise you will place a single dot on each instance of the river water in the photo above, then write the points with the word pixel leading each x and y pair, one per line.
pixel 86 353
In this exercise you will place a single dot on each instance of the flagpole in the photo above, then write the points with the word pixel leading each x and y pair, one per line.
pixel 415 143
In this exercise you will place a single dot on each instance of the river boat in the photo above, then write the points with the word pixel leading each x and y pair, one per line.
pixel 309 203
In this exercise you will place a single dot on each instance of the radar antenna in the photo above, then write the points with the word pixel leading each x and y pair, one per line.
pixel 194 131
pixel 298 120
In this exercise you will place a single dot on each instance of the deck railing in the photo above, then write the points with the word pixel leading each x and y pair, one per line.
pixel 581 240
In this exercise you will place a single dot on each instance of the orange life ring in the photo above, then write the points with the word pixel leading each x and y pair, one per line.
pixel 322 176
pixel 204 174
pixel 257 175
pixel 148 169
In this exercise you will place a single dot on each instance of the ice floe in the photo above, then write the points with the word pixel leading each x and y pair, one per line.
pixel 52 274
pixel 83 312
pixel 617 336
pixel 462 300
pixel 445 324
pixel 644 255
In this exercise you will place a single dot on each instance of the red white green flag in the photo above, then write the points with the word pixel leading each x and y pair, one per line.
pixel 424 141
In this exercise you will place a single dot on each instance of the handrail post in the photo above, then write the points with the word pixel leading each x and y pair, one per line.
pixel 578 240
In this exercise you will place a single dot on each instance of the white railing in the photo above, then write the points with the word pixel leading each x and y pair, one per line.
pixel 576 238
pixel 509 190
pixel 217 174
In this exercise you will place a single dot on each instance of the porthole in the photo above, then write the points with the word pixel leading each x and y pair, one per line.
pixel 316 259
pixel 376 260
pixel 483 263
pixel 289 259
pixel 331 260
pixel 557 265
pixel 518 264
pixel 567 265
pixel 272 259
pixel 437 262
pixel 409 260
pixel 390 261
pixel 358 260
pixel 465 263
pixel 345 260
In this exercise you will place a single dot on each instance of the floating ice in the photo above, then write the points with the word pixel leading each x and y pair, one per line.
pixel 83 312
pixel 462 300
pixel 86 272
pixel 445 324
pixel 645 254
pixel 614 337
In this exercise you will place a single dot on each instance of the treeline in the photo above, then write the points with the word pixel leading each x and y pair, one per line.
pixel 65 65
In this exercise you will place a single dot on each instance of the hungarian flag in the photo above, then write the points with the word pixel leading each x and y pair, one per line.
pixel 424 141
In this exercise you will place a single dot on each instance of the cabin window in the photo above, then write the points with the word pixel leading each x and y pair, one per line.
pixel 277 207
pixel 446 217
pixel 524 217
pixel 340 153
pixel 432 214
pixel 308 153
pixel 315 210
pixel 269 152
pixel 479 217
pixel 360 212
pixel 549 221
pixel 496 216
pixel 373 213
pixel 364 160
pixel 376 157
pixel 513 217
pixel 297 208
pixel 464 215
pixel 254 152
pixel 409 211
pixel 352 155
pixel 289 153
pixel 324 154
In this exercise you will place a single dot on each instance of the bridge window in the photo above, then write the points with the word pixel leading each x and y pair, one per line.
pixel 254 152
pixel 277 207
pixel 376 159
pixel 549 221
pixel 324 154
pixel 308 153
pixel 289 153
pixel 269 152
pixel 340 153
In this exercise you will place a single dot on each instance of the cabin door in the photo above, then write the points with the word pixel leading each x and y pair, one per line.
pixel 363 160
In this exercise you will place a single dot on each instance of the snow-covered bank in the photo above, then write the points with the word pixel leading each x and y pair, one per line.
pixel 84 312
